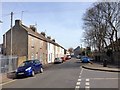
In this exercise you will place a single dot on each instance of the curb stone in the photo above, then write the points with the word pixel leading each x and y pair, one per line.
pixel 99 69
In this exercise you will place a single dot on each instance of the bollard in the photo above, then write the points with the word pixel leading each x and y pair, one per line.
pixel 105 63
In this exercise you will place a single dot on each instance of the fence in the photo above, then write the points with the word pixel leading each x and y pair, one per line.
pixel 8 63
pixel 113 59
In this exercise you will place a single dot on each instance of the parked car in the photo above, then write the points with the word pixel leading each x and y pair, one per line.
pixel 68 57
pixel 85 59
pixel 63 58
pixel 29 68
pixel 78 56
pixel 58 60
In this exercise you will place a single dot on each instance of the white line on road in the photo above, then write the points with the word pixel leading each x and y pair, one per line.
pixel 87 79
pixel 7 82
pixel 87 86
pixel 79 80
pixel 77 87
pixel 78 83
pixel 81 71
pixel 87 83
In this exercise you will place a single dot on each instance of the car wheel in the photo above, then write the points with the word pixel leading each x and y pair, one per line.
pixel 41 70
pixel 33 73
pixel 16 76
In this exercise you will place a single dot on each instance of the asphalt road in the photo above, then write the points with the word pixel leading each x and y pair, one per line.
pixel 98 80
pixel 69 75
pixel 62 75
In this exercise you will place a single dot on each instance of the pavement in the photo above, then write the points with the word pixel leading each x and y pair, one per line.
pixel 4 78
pixel 99 67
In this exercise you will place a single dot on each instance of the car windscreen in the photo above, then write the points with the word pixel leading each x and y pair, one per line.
pixel 56 58
pixel 25 63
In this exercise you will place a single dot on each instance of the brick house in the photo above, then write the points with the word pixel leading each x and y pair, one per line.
pixel 1 48
pixel 26 41
pixel 54 50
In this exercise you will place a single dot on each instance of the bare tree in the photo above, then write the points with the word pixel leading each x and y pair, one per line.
pixel 70 50
pixel 101 23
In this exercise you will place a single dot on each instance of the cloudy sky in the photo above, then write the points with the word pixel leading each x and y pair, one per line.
pixel 60 20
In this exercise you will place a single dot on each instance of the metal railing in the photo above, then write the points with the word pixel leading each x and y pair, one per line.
pixel 8 63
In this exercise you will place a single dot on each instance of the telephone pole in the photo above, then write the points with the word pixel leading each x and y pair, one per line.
pixel 22 15
pixel 11 30
pixel 1 21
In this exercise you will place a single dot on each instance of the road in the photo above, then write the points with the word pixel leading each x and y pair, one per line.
pixel 70 75
pixel 98 80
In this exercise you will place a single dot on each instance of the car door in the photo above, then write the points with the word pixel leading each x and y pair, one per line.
pixel 37 65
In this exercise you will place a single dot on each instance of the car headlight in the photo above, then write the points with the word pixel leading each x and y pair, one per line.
pixel 28 69
pixel 16 70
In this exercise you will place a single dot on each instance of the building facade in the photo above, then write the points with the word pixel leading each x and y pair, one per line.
pixel 26 41
pixel 1 48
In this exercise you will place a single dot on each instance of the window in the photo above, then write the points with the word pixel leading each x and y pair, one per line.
pixel 37 62
pixel 32 56
pixel 32 42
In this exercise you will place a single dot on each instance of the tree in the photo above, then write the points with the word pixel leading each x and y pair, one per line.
pixel 70 50
pixel 101 24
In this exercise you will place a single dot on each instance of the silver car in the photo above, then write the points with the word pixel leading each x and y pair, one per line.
pixel 58 60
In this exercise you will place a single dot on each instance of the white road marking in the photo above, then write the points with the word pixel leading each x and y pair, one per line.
pixel 87 83
pixel 87 79
pixel 81 71
pixel 7 82
pixel 78 83
pixel 79 80
pixel 77 87
pixel 87 86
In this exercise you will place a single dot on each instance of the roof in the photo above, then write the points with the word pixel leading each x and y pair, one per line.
pixel 40 36
pixel 36 34
pixel 76 49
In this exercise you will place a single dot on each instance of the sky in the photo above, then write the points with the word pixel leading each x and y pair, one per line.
pixel 60 20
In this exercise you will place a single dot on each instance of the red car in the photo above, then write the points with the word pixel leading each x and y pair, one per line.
pixel 63 58
pixel 67 57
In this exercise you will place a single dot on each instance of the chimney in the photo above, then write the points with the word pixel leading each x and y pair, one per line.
pixel 43 33
pixel 53 40
pixel 18 22
pixel 49 37
pixel 33 28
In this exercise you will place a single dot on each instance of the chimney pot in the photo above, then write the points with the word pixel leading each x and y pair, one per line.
pixel 18 22
pixel 43 33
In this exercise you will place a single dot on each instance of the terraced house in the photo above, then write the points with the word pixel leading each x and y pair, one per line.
pixel 27 42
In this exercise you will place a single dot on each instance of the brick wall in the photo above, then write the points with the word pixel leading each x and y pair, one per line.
pixel 19 42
